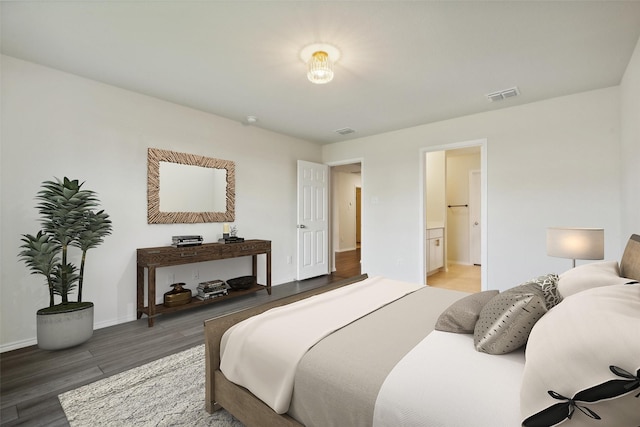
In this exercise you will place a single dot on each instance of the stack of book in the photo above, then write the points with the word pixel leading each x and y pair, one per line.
pixel 182 241
pixel 212 289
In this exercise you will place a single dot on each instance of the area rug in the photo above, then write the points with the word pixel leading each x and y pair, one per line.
pixel 166 392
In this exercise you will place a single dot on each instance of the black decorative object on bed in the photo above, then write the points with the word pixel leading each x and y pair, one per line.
pixel 559 412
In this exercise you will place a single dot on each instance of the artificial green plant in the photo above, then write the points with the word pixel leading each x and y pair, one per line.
pixel 69 218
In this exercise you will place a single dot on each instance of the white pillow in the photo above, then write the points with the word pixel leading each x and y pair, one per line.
pixel 571 349
pixel 590 276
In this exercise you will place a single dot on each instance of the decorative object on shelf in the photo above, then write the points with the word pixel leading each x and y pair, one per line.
pixel 244 282
pixel 212 289
pixel 225 231
pixel 177 296
pixel 184 241
pixel 575 243
pixel 232 240
pixel 231 236
pixel 69 219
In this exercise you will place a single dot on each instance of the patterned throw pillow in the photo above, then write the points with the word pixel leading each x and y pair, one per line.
pixel 506 320
pixel 549 286
pixel 461 316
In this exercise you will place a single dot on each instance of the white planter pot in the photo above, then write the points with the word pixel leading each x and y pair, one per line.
pixel 63 330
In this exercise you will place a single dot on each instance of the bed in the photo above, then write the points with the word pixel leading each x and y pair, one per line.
pixel 410 361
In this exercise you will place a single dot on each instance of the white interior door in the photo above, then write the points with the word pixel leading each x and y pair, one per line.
pixel 475 223
pixel 313 224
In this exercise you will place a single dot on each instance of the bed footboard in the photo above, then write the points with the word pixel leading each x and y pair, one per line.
pixel 220 392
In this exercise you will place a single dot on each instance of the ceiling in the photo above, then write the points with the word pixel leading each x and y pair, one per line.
pixel 403 63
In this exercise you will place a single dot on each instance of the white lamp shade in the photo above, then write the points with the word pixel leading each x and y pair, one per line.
pixel 575 243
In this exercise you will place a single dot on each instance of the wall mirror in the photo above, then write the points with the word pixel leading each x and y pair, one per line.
pixel 187 188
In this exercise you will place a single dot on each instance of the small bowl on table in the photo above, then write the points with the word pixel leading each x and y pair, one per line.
pixel 241 283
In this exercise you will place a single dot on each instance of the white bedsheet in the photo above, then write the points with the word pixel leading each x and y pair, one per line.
pixel 263 352
pixel 444 381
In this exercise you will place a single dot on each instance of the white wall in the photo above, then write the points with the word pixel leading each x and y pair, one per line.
pixel 550 163
pixel 56 124
pixel 630 137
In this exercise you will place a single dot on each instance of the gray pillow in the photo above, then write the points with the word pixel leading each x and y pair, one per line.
pixel 507 319
pixel 461 316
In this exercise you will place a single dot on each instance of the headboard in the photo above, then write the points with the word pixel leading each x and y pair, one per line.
pixel 630 262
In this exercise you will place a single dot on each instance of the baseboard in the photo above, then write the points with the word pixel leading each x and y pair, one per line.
pixel 18 344
pixel 33 341
pixel 113 322
pixel 467 263
pixel 346 250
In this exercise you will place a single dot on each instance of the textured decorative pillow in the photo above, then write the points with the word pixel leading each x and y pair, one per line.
pixel 588 276
pixel 462 315
pixel 570 358
pixel 507 319
pixel 549 286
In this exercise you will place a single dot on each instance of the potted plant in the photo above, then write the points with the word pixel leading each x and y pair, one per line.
pixel 69 219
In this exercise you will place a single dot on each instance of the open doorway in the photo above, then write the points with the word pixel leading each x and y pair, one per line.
pixel 453 207
pixel 346 219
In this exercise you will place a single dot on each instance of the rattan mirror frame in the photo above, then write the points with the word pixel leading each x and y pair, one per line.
pixel 155 216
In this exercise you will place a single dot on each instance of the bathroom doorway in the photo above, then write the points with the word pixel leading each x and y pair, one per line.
pixel 454 204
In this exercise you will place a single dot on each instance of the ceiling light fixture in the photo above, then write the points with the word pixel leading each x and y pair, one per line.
pixel 320 68
pixel 320 58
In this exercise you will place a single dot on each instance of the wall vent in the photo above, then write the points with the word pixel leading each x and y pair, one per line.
pixel 503 94
pixel 345 131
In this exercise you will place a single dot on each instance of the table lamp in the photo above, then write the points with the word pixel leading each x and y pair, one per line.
pixel 575 243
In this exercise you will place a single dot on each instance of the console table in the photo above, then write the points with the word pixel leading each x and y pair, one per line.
pixel 165 256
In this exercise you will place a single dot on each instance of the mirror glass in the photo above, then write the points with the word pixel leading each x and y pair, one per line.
pixel 186 188
pixel 192 188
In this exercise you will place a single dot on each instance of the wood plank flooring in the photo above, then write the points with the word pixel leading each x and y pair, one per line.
pixel 348 263
pixel 465 278
pixel 31 379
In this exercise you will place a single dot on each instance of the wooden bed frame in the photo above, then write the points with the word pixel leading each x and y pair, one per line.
pixel 222 393
pixel 242 404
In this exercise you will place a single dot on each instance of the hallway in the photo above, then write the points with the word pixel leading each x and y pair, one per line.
pixel 348 263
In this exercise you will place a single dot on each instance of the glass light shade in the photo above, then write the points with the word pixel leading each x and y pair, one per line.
pixel 575 243
pixel 320 68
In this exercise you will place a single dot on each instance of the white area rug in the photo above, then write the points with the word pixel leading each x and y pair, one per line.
pixel 166 392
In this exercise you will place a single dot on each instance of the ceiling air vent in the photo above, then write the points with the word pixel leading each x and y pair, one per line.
pixel 345 131
pixel 503 94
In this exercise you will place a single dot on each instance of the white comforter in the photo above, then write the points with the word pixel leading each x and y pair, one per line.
pixel 289 331
pixel 444 381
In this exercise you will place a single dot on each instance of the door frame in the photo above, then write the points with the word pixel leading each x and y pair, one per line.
pixel 332 225
pixel 472 180
pixel 482 143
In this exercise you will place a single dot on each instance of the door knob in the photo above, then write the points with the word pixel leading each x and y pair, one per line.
pixel 302 226
pixel 475 223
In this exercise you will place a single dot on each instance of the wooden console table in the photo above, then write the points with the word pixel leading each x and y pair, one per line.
pixel 165 256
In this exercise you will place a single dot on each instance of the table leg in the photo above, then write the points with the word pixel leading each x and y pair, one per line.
pixel 151 308
pixel 140 291
pixel 269 272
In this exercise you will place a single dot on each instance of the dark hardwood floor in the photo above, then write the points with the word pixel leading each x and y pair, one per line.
pixel 31 379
